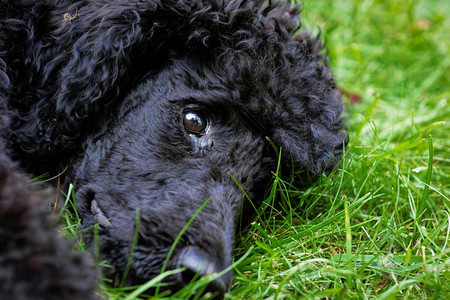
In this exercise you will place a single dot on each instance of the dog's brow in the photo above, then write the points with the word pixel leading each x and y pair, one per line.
pixel 251 121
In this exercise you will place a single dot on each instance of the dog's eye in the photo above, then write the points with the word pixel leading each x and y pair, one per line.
pixel 195 122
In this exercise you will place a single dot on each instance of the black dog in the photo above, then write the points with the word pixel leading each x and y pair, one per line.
pixel 152 108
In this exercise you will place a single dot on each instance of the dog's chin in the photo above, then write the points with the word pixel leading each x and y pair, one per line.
pixel 191 268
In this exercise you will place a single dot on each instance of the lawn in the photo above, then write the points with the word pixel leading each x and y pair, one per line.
pixel 378 227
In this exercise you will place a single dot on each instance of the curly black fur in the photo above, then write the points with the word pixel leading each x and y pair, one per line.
pixel 35 262
pixel 103 88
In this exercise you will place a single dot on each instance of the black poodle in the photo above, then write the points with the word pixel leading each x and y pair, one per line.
pixel 155 110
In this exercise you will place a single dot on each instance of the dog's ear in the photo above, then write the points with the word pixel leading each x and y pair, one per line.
pixel 88 58
pixel 314 140
pixel 310 128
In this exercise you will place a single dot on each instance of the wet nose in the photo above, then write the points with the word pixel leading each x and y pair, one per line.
pixel 197 262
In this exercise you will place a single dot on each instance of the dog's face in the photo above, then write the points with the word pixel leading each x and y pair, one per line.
pixel 176 143
pixel 161 110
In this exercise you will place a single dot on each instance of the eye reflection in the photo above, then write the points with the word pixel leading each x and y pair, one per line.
pixel 195 122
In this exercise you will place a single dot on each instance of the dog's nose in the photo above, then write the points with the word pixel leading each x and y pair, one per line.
pixel 197 262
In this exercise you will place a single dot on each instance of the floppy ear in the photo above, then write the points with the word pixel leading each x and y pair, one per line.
pixel 77 61
pixel 311 128
pixel 315 141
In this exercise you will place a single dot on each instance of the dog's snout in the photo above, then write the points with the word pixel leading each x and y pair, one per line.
pixel 197 263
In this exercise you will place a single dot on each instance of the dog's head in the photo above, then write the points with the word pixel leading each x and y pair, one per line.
pixel 173 104
pixel 177 145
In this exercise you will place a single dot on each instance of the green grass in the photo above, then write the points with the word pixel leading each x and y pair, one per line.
pixel 379 226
